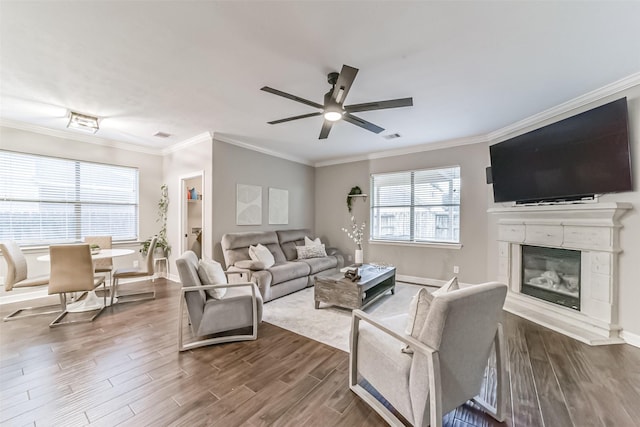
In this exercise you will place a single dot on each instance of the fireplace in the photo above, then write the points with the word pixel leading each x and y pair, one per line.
pixel 551 274
pixel 561 265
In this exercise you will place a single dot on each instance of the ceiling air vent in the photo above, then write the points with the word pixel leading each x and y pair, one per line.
pixel 392 136
pixel 162 134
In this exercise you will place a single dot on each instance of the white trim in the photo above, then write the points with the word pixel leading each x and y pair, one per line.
pixel 575 103
pixel 507 131
pixel 183 211
pixel 434 245
pixel 91 139
pixel 223 138
pixel 415 280
pixel 203 137
pixel 406 150
pixel 631 339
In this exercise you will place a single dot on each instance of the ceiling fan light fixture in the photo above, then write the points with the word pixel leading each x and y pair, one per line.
pixel 333 114
pixel 83 122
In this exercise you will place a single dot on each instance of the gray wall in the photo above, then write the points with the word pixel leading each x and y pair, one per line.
pixel 236 165
pixel 334 182
pixel 150 175
pixel 194 158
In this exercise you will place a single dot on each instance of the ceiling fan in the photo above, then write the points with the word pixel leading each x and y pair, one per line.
pixel 334 108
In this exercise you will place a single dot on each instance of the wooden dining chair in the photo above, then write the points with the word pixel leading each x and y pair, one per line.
pixel 72 271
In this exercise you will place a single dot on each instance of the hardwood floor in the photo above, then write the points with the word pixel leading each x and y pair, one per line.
pixel 124 369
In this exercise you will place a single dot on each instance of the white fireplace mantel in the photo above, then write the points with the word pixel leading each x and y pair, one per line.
pixel 591 228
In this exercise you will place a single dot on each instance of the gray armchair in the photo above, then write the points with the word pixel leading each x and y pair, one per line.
pixel 240 307
pixel 448 361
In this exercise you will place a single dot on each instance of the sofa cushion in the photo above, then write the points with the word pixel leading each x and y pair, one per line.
pixel 261 254
pixel 211 273
pixel 235 246
pixel 288 271
pixel 320 264
pixel 250 264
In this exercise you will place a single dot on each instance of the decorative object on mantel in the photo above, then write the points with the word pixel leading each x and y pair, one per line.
pixel 356 234
pixel 355 192
pixel 163 207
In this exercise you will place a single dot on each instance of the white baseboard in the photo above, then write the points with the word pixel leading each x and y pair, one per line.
pixel 631 339
pixel 425 281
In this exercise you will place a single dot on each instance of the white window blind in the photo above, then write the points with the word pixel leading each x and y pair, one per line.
pixel 46 200
pixel 416 206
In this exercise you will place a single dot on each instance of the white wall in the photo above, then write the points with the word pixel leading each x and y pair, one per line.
pixel 150 174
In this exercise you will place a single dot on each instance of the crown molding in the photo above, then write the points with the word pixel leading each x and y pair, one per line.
pixel 575 103
pixel 91 139
pixel 407 150
pixel 203 137
pixel 223 138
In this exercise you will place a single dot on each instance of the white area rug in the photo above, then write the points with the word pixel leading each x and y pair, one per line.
pixel 330 325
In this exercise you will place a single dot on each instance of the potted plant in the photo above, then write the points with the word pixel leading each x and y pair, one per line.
pixel 163 207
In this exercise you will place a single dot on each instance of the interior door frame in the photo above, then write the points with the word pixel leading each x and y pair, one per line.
pixel 183 219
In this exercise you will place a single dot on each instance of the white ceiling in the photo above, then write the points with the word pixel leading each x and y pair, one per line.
pixel 186 68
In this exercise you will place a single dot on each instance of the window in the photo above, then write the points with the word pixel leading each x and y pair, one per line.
pixel 46 200
pixel 416 206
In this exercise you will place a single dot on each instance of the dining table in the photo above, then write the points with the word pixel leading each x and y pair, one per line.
pixel 92 301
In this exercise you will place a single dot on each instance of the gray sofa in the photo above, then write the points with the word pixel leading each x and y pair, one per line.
pixel 288 274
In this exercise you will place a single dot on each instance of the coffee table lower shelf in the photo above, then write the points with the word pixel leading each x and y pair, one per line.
pixel 339 291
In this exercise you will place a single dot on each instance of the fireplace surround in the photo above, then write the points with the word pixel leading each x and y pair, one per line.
pixel 590 230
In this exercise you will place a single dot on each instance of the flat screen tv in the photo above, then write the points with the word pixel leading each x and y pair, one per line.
pixel 573 159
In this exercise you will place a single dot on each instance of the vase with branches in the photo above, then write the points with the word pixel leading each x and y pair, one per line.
pixel 163 209
pixel 356 233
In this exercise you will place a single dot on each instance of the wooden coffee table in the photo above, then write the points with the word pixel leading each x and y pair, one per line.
pixel 335 289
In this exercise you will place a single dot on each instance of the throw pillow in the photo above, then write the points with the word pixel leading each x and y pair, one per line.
pixel 262 254
pixel 418 310
pixel 211 273
pixel 314 251
pixel 451 285
pixel 309 242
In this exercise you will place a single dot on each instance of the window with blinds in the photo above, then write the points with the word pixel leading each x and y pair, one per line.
pixel 419 206
pixel 46 200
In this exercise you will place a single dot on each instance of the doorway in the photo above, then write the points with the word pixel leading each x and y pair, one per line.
pixel 192 213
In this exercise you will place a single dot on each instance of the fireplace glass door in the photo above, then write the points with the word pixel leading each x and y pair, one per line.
pixel 552 275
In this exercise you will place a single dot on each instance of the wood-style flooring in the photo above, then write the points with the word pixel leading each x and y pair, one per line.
pixel 124 369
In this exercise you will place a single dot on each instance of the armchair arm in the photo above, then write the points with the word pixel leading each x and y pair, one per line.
pixel 433 365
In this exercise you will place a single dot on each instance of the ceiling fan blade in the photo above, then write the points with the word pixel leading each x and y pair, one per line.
pixel 362 123
pixel 379 105
pixel 345 80
pixel 288 119
pixel 326 127
pixel 292 97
